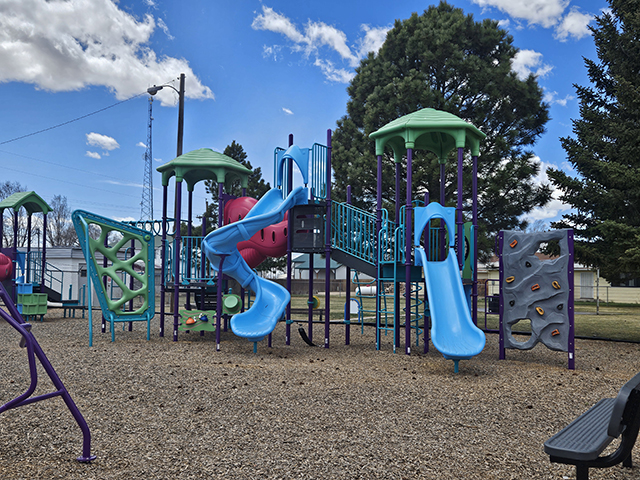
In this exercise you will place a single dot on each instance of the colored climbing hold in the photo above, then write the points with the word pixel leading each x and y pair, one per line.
pixel 512 303
pixel 510 279
pixel 560 307
pixel 535 287
pixel 190 321
pixel 527 264
pixel 513 244
pixel 556 285
pixel 231 304
pixel 540 310
pixel 555 332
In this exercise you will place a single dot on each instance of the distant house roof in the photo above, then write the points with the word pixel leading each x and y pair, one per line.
pixel 319 262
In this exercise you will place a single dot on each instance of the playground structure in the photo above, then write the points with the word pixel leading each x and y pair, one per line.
pixel 365 242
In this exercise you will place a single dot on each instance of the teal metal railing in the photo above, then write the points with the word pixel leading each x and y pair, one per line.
pixel 353 231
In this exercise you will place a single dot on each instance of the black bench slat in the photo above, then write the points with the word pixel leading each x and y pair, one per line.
pixel 586 437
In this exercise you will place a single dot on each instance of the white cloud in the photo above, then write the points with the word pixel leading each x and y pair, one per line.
pixel 546 13
pixel 271 51
pixel 287 111
pixel 278 23
pixel 333 74
pixel 124 184
pixel 66 46
pixel 372 40
pixel 102 141
pixel 159 160
pixel 95 155
pixel 141 144
pixel 315 36
pixel 555 208
pixel 527 62
pixel 552 97
pixel 574 24
pixel 163 26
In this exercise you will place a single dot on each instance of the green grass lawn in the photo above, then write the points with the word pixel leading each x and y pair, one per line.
pixel 613 321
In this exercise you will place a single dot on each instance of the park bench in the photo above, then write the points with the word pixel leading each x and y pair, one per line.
pixel 582 441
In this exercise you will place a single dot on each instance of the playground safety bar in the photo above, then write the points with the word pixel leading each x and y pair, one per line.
pixel 34 350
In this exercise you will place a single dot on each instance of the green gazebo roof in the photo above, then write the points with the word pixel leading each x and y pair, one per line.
pixel 31 201
pixel 204 164
pixel 428 129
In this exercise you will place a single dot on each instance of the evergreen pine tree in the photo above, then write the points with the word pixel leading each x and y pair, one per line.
pixel 605 150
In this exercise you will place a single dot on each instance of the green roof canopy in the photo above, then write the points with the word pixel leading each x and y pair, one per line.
pixel 204 164
pixel 428 129
pixel 31 201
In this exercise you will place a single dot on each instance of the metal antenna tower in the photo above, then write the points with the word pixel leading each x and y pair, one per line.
pixel 146 205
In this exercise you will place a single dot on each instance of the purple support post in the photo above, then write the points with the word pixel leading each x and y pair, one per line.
pixel 443 179
pixel 189 245
pixel 396 285
pixel 310 300
pixel 28 238
pixel 2 229
pixel 377 243
pixel 427 245
pixel 501 270
pixel 163 257
pixel 219 303
pixel 15 256
pixel 408 244
pixel 398 199
pixel 220 280
pixel 44 244
pixel 474 247
pixel 459 221
pixel 347 310
pixel 289 187
pixel 570 304
pixel 327 248
pixel 176 261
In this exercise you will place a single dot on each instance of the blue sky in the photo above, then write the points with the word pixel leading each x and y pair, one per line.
pixel 255 72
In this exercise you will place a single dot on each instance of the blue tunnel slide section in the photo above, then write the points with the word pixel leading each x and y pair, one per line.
pixel 453 332
pixel 221 245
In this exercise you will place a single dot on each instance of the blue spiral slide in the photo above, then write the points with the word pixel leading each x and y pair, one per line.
pixel 221 246
pixel 453 332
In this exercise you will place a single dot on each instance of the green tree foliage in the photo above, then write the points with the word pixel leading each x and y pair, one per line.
pixel 445 60
pixel 605 151
pixel 256 186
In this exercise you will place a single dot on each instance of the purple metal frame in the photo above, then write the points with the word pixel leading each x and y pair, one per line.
pixel 327 271
pixel 407 260
pixel 34 350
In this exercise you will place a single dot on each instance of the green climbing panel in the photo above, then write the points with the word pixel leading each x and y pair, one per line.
pixel 129 293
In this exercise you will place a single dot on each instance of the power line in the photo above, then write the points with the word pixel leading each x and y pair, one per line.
pixel 74 120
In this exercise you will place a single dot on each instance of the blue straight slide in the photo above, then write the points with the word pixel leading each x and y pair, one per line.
pixel 222 245
pixel 453 332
